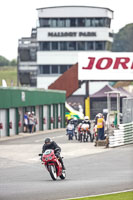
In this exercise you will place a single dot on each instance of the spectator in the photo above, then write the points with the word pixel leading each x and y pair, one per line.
pixel 100 127
pixel 31 122
pixel 26 122
pixel 34 123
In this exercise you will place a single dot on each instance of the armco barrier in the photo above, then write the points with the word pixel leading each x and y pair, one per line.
pixel 122 136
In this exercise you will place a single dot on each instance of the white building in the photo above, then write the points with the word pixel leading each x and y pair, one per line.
pixel 65 31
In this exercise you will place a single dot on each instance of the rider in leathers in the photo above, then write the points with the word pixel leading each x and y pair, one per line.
pixel 52 145
pixel 87 121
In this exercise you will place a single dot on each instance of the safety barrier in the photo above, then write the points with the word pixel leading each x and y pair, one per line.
pixel 122 136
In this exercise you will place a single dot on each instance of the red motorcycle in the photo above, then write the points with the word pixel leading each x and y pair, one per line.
pixel 52 164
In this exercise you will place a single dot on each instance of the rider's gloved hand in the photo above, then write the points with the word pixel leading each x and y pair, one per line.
pixel 57 154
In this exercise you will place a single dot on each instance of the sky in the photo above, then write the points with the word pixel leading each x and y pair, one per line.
pixel 18 17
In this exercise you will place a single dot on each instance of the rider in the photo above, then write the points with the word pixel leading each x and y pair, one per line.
pixel 49 144
pixel 87 121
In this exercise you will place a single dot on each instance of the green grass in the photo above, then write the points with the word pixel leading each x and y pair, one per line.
pixel 118 196
pixel 9 74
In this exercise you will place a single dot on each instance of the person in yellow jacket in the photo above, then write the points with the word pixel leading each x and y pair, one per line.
pixel 100 127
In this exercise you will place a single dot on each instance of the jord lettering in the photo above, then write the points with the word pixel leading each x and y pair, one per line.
pixel 107 62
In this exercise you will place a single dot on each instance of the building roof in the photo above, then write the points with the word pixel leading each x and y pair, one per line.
pixel 75 6
pixel 108 88
pixel 122 84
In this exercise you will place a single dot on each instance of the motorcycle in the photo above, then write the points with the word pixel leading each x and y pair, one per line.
pixel 70 131
pixel 85 129
pixel 52 164
pixel 76 133
pixel 79 135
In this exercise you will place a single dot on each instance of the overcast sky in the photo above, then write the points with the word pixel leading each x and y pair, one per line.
pixel 18 17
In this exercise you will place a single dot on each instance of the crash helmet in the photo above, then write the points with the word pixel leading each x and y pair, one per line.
pixel 86 118
pixel 47 140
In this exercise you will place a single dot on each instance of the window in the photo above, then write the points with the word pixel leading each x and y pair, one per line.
pixel 54 69
pixel 102 22
pixel 54 45
pixel 46 69
pixel 63 68
pixel 45 46
pixel 100 45
pixel 107 22
pixel 88 23
pixel 90 45
pixel 72 22
pixel 81 45
pixel 33 54
pixel 99 22
pixel 54 22
pixel 61 22
pixel 67 22
pixel 63 46
pixel 71 46
pixel 81 22
pixel 44 22
pixel 93 22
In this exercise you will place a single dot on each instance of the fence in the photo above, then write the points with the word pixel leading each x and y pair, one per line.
pixel 127 110
pixel 122 136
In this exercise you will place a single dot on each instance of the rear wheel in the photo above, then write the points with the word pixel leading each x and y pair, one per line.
pixel 52 171
pixel 63 175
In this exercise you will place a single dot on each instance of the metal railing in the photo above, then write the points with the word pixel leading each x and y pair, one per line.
pixel 122 136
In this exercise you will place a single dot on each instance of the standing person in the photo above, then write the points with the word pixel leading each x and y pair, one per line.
pixel 31 122
pixel 26 122
pixel 95 128
pixel 100 127
pixel 34 123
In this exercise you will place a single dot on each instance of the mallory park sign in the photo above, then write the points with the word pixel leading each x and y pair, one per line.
pixel 71 34
pixel 105 66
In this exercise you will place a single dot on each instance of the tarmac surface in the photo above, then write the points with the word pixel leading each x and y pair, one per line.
pixel 90 170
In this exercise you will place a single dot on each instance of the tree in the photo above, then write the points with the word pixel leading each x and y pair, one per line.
pixel 4 61
pixel 123 40
pixel 13 62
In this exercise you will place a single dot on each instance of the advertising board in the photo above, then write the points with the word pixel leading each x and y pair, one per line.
pixel 105 66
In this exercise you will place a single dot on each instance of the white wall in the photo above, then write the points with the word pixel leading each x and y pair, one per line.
pixel 53 58
pixel 12 118
pixel 51 116
pixel 21 115
pixel 45 115
pixel 37 116
pixel 59 115
pixel 3 120
pixel 45 81
pixel 75 11
pixel 102 34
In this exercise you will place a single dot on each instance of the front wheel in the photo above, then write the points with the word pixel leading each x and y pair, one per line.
pixel 52 171
pixel 63 175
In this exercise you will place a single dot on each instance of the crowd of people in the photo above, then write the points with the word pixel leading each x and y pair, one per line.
pixel 30 122
pixel 95 130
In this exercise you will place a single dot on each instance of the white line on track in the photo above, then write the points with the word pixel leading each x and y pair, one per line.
pixel 99 194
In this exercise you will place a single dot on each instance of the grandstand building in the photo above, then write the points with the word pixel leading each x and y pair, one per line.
pixel 62 32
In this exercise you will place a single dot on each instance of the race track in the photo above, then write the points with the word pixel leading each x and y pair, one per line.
pixel 90 170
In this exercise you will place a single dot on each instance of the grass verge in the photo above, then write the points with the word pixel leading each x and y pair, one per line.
pixel 9 74
pixel 118 196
